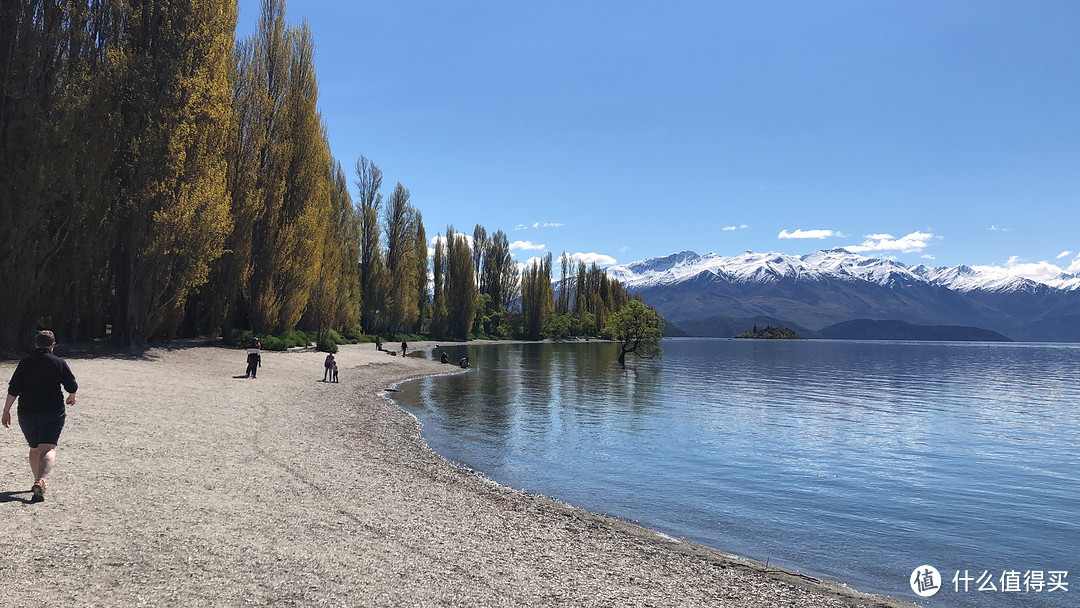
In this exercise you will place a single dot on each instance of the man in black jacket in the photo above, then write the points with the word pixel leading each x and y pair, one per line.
pixel 36 384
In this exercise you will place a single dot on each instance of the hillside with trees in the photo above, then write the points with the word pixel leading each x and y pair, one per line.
pixel 160 178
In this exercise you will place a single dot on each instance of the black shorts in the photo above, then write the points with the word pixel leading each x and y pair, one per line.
pixel 40 429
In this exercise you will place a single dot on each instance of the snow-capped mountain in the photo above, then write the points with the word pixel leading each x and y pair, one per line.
pixel 838 264
pixel 828 287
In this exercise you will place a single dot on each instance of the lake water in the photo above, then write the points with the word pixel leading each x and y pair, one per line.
pixel 853 461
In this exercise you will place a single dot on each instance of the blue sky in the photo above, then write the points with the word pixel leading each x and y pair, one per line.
pixel 942 133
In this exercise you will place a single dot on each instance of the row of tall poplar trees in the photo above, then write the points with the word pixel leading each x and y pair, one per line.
pixel 159 178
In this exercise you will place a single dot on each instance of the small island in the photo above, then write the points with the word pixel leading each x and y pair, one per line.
pixel 771 333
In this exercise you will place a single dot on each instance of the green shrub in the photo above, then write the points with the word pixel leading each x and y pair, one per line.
pixel 296 338
pixel 273 343
pixel 326 344
pixel 355 335
pixel 407 338
pixel 239 337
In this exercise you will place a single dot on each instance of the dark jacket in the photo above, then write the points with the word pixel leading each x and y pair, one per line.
pixel 37 380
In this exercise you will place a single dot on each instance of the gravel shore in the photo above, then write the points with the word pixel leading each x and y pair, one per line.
pixel 181 483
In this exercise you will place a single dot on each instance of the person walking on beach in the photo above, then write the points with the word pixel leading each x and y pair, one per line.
pixel 254 358
pixel 335 373
pixel 328 366
pixel 378 344
pixel 36 384
pixel 404 347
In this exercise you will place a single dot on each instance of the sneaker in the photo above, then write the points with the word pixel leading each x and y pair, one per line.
pixel 38 490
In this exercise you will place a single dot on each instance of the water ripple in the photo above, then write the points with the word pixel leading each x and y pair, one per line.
pixel 849 460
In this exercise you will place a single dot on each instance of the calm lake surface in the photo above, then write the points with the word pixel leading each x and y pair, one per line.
pixel 853 461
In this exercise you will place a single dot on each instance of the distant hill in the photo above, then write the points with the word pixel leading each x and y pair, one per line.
pixel 670 331
pixel 715 295
pixel 866 329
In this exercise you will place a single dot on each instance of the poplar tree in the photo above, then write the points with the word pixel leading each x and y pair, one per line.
pixel 537 298
pixel 306 212
pixel 291 180
pixel 439 325
pixel 268 79
pixel 56 149
pixel 566 262
pixel 400 224
pixel 368 183
pixel 335 297
pixel 500 280
pixel 229 301
pixel 174 121
pixel 348 234
pixel 420 258
pixel 584 322
pixel 460 286
pixel 479 248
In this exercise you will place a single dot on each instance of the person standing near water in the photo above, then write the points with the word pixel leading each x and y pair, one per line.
pixel 36 384
pixel 404 347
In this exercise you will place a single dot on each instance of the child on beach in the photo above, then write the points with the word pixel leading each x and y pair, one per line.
pixel 335 372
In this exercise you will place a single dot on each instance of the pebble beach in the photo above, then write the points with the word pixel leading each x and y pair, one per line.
pixel 179 482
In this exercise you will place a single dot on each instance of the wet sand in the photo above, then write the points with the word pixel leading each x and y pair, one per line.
pixel 179 483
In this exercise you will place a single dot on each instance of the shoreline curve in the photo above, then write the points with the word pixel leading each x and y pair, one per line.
pixel 179 483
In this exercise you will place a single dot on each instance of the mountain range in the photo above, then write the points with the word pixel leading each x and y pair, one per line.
pixel 714 295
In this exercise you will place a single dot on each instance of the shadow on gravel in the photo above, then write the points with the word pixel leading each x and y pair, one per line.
pixel 106 350
pixel 15 497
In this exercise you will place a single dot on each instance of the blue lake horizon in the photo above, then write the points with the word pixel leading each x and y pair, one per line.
pixel 852 461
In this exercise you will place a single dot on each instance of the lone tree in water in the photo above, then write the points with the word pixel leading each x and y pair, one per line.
pixel 637 328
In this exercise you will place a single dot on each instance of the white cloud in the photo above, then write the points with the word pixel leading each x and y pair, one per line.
pixel 440 239
pixel 1064 254
pixel 911 243
pixel 739 227
pixel 527 246
pixel 807 234
pixel 927 256
pixel 590 258
pixel 523 266
pixel 539 225
pixel 994 228
pixel 1036 271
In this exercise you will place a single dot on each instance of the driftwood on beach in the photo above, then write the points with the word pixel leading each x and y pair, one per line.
pixel 178 483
